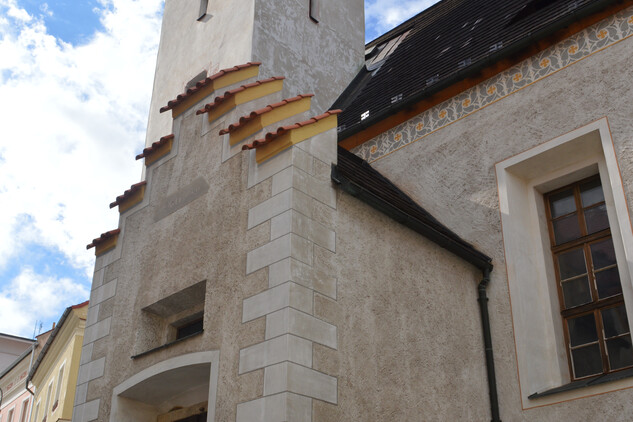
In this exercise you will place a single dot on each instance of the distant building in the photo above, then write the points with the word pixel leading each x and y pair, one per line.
pixel 442 232
pixel 11 347
pixel 16 399
pixel 54 371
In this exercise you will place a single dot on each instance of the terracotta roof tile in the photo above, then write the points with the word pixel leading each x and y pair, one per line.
pixel 228 94
pixel 147 151
pixel 104 236
pixel 271 136
pixel 182 97
pixel 245 119
pixel 131 191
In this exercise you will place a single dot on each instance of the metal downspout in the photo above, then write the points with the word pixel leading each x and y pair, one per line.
pixel 30 366
pixel 490 363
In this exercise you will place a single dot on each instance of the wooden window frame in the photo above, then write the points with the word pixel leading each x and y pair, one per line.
pixel 596 305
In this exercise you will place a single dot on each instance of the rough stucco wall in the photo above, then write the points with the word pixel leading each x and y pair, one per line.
pixel 451 173
pixel 204 240
pixel 187 47
pixel 408 326
pixel 317 58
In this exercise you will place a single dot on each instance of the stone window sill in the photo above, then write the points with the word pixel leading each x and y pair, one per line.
pixel 588 382
pixel 166 345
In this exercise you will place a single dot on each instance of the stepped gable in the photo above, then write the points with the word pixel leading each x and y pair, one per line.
pixel 135 188
pixel 271 136
pixel 246 119
pixel 203 84
pixel 228 94
pixel 155 146
pixel 103 238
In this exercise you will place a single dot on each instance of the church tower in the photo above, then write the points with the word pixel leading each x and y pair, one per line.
pixel 317 44
pixel 214 299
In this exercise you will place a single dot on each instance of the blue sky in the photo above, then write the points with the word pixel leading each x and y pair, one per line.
pixel 73 119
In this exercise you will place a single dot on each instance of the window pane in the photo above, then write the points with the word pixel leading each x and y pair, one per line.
pixel 587 361
pixel 566 229
pixel 571 264
pixel 591 193
pixel 596 219
pixel 576 292
pixel 608 283
pixel 582 330
pixel 602 254
pixel 562 203
pixel 614 321
pixel 620 352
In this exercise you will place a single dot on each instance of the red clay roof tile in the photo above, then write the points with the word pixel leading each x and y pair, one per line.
pixel 180 98
pixel 228 94
pixel 104 236
pixel 271 136
pixel 245 119
pixel 147 151
pixel 133 189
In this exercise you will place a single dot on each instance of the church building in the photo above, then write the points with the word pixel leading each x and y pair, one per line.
pixel 433 226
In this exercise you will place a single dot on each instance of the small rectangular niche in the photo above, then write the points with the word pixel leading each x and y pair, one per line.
pixel 172 319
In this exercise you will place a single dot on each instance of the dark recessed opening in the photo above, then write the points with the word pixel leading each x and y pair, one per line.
pixel 189 328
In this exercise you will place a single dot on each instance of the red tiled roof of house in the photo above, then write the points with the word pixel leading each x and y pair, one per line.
pixel 228 94
pixel 80 305
pixel 271 136
pixel 104 236
pixel 147 151
pixel 180 98
pixel 133 189
pixel 245 119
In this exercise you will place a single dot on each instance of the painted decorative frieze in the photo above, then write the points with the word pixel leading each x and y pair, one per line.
pixel 572 50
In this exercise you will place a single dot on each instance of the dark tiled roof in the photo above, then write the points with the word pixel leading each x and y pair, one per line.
pixel 245 119
pixel 271 136
pixel 182 97
pixel 149 150
pixel 228 94
pixel 132 190
pixel 446 43
pixel 358 178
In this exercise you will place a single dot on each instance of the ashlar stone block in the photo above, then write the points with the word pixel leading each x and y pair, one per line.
pixel 286 246
pixel 293 378
pixel 286 295
pixel 279 349
pixel 295 322
pixel 284 407
pixel 290 269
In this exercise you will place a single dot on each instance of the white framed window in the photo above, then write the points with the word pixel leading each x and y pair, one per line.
pixel 58 390
pixel 542 352
pixel 49 391
pixel 25 410
pixel 10 417
pixel 35 415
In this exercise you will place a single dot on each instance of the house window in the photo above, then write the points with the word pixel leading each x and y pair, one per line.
pixel 594 317
pixel 25 410
pixel 10 418
pixel 561 267
pixel 48 399
pixel 37 411
pixel 189 327
pixel 59 387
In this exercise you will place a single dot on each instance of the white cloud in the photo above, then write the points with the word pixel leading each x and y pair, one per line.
pixel 73 118
pixel 31 297
pixel 383 15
